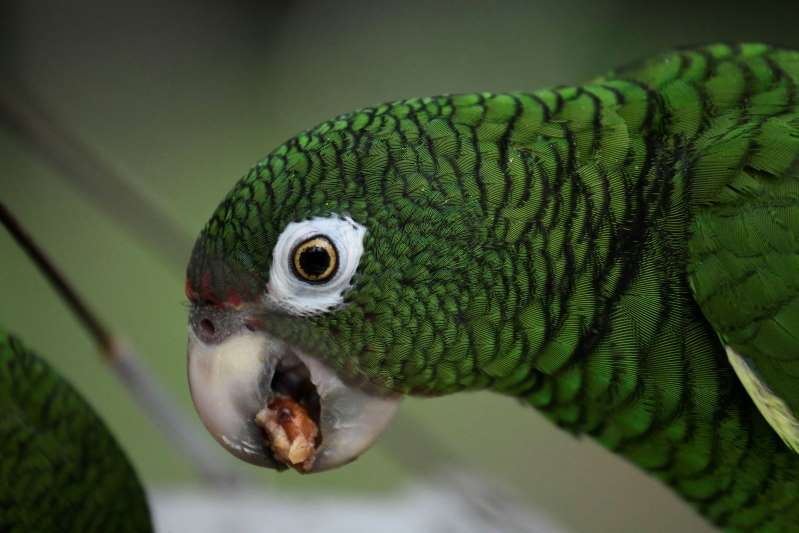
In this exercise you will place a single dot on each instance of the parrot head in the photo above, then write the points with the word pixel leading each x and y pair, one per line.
pixel 340 272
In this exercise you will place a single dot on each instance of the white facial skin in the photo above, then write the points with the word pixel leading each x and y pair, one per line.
pixel 299 297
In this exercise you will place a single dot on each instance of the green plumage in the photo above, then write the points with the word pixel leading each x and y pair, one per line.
pixel 60 468
pixel 589 249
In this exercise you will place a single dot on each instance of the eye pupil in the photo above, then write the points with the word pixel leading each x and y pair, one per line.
pixel 314 261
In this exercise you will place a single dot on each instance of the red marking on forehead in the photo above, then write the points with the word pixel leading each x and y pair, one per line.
pixel 187 290
pixel 205 286
pixel 233 299
pixel 205 292
pixel 222 284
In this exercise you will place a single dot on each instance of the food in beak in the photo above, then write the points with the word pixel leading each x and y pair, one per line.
pixel 272 405
pixel 290 431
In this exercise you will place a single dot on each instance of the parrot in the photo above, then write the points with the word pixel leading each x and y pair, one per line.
pixel 621 255
pixel 61 469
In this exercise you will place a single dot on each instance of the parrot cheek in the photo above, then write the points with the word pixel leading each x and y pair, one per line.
pixel 234 382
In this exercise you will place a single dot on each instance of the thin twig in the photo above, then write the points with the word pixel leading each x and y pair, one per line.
pixel 142 385
pixel 98 332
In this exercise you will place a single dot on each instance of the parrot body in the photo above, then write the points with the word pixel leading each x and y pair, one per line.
pixel 621 255
pixel 61 470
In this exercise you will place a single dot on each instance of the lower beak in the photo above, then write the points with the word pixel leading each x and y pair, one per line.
pixel 234 384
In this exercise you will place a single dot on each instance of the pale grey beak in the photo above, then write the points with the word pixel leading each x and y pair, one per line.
pixel 232 380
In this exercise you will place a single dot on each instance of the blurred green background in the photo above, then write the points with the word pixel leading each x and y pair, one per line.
pixel 183 96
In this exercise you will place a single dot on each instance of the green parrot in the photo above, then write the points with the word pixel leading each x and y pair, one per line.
pixel 621 255
pixel 60 468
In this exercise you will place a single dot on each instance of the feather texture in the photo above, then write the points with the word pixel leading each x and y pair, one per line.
pixel 588 249
pixel 60 468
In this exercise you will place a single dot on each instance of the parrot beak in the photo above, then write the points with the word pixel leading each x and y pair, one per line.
pixel 234 380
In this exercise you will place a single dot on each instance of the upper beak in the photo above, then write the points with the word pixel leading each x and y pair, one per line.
pixel 231 381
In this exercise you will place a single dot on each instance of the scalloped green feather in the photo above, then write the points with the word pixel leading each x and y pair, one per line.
pixel 590 249
pixel 61 470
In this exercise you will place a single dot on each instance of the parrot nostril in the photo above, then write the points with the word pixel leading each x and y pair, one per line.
pixel 207 327
pixel 213 326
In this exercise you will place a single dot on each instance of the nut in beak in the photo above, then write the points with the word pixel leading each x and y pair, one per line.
pixel 274 406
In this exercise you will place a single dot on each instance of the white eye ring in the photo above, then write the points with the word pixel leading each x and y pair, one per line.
pixel 299 297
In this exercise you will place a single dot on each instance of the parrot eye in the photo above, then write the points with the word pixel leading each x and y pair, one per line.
pixel 313 263
pixel 315 260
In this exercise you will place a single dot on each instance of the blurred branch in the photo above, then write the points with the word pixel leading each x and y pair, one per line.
pixel 75 303
pixel 145 389
pixel 85 170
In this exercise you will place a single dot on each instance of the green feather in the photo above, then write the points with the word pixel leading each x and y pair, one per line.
pixel 60 468
pixel 589 249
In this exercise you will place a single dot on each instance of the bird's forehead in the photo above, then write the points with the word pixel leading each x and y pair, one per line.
pixel 221 281
pixel 232 257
